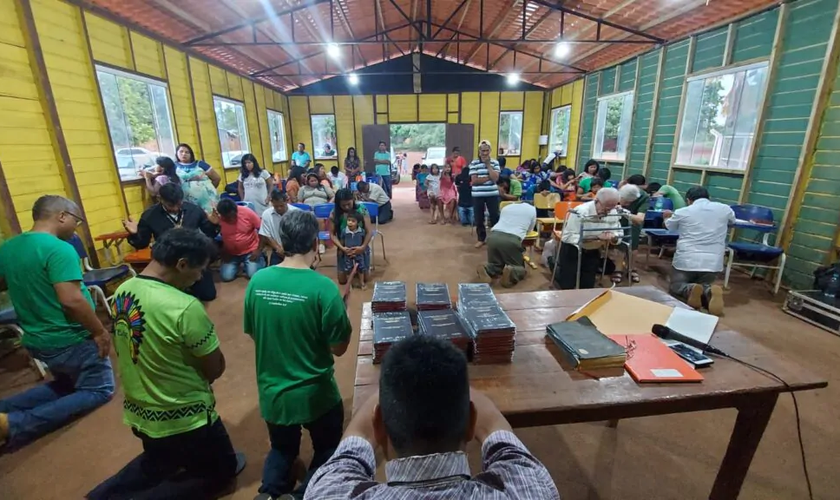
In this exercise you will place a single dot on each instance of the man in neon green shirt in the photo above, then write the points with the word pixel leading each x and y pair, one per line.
pixel 168 355
pixel 54 309
pixel 510 189
pixel 382 161
pixel 670 192
pixel 298 320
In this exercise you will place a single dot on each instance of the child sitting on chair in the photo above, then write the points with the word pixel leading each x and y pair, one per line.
pixel 354 236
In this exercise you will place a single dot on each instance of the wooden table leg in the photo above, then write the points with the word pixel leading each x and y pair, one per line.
pixel 749 427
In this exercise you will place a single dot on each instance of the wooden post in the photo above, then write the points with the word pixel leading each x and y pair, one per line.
pixel 654 112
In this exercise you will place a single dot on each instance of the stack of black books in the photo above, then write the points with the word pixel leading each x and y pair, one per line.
pixel 433 297
pixel 445 324
pixel 388 296
pixel 492 332
pixel 389 328
pixel 470 294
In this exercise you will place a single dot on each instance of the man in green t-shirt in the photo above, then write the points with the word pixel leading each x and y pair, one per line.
pixel 382 162
pixel 670 192
pixel 43 275
pixel 168 355
pixel 298 320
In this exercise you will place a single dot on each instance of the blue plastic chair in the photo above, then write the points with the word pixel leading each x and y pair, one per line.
pixel 302 206
pixel 373 210
pixel 248 204
pixel 659 237
pixel 323 212
pixel 97 279
pixel 354 186
pixel 755 255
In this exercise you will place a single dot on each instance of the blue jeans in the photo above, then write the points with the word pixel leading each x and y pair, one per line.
pixel 466 215
pixel 82 381
pixel 325 433
pixel 230 269
pixel 386 185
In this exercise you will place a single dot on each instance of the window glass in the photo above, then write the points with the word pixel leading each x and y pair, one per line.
pixel 612 128
pixel 558 138
pixel 323 137
pixel 277 133
pixel 233 131
pixel 510 133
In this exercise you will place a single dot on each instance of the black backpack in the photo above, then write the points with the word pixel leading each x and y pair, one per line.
pixel 823 274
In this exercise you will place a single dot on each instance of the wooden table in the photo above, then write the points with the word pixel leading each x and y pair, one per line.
pixel 536 390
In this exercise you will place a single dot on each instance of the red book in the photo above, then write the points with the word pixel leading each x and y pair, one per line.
pixel 649 360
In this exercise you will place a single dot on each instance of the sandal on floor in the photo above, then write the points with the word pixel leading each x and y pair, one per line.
pixel 634 277
pixel 616 277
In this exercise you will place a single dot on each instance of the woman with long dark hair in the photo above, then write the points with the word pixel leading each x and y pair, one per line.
pixel 294 183
pixel 198 179
pixel 165 173
pixel 255 184
pixel 345 203
pixel 352 167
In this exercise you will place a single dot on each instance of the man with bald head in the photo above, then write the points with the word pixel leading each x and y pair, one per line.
pixel 588 229
pixel 41 271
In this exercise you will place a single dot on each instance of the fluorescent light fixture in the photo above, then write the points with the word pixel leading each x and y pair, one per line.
pixel 353 79
pixel 512 78
pixel 333 51
pixel 562 50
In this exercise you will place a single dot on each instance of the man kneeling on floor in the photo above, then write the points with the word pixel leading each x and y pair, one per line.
pixel 504 245
pixel 168 355
pixel 375 193
pixel 423 418
pixel 61 329
pixel 703 226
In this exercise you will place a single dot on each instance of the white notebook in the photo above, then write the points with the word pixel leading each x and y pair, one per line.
pixel 693 324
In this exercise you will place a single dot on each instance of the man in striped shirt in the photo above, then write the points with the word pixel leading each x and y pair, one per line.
pixel 484 172
pixel 423 418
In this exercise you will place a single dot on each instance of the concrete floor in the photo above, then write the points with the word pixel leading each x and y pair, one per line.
pixel 670 457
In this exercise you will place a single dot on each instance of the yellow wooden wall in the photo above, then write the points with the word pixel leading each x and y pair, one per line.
pixel 72 41
pixel 571 93
pixel 478 108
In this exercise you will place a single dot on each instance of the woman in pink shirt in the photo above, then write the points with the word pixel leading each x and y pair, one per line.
pixel 241 245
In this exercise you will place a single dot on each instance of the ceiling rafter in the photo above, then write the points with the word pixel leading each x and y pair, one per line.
pixel 445 48
pixel 533 28
pixel 303 5
pixel 497 23
pixel 346 23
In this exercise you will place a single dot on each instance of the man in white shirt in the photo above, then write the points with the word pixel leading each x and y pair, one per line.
pixel 375 193
pixel 337 178
pixel 504 245
pixel 601 223
pixel 703 226
pixel 269 229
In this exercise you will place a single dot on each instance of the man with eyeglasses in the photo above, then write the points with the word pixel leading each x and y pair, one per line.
pixel 41 271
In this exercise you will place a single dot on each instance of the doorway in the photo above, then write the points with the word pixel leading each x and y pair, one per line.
pixel 417 143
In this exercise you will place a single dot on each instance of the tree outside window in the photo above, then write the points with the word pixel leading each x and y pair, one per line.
pixel 510 133
pixel 612 128
pixel 139 120
pixel 559 133
pixel 324 137
pixel 720 117
pixel 233 131
pixel 277 133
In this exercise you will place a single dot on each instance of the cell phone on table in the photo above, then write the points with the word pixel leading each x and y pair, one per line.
pixel 697 359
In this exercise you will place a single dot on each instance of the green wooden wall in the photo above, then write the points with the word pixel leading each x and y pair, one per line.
pixel 658 78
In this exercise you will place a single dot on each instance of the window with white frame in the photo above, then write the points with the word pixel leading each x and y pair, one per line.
pixel 612 126
pixel 323 137
pixel 510 133
pixel 720 116
pixel 139 120
pixel 277 133
pixel 558 137
pixel 233 131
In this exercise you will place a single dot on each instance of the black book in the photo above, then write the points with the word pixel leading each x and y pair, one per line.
pixel 470 294
pixel 391 327
pixel 433 296
pixel 487 319
pixel 389 291
pixel 584 346
pixel 443 324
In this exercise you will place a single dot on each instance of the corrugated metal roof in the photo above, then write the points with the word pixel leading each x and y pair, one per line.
pixel 281 42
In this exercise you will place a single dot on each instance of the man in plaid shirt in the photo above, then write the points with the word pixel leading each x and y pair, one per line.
pixel 423 417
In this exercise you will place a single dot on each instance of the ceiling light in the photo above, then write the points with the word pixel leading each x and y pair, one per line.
pixel 512 78
pixel 353 79
pixel 333 51
pixel 562 50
